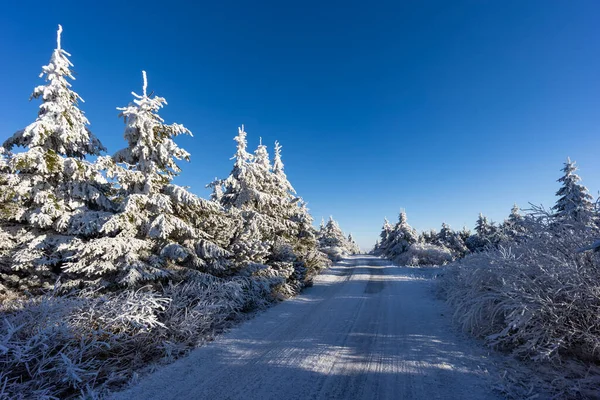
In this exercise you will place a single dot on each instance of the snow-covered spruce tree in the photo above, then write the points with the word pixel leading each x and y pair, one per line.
pixel 159 227
pixel 402 237
pixel 333 242
pixel 306 245
pixel 428 237
pixel 277 227
pixel 236 190
pixel 375 248
pixel 514 227
pixel 386 229
pixel 332 235
pixel 247 191
pixel 452 241
pixel 574 202
pixel 50 193
pixel 352 245
pixel 465 234
pixel 404 246
pixel 484 232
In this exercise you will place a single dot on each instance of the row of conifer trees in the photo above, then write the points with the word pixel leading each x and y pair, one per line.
pixel 67 221
pixel 574 206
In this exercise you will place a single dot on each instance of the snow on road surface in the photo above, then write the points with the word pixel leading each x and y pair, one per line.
pixel 365 330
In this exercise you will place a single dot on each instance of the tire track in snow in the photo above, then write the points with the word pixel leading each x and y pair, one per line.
pixel 365 330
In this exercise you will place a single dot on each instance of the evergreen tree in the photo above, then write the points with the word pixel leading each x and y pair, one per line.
pixel 482 236
pixel 574 201
pixel 237 191
pixel 50 193
pixel 452 241
pixel 401 237
pixel 277 227
pixel 352 245
pixel 60 128
pixel 280 177
pixel 384 237
pixel 428 237
pixel 513 228
pixel 465 233
pixel 482 227
pixel 158 226
pixel 332 235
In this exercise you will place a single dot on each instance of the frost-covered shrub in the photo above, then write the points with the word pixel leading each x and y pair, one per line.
pixel 83 344
pixel 424 254
pixel 538 299
pixel 334 253
pixel 56 347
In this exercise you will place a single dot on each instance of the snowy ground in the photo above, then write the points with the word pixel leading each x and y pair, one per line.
pixel 366 330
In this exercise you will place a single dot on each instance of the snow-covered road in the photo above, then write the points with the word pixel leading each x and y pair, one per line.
pixel 365 330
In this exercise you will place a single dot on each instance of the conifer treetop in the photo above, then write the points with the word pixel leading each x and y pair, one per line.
pixel 241 156
pixel 574 201
pixel 261 157
pixel 151 148
pixel 280 175
pixel 60 126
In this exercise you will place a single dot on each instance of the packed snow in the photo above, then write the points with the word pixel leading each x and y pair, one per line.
pixel 365 330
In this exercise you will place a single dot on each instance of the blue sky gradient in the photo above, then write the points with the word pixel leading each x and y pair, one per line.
pixel 443 108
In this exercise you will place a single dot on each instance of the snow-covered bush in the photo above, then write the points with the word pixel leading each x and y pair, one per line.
pixel 334 253
pixel 537 296
pixel 84 344
pixel 424 254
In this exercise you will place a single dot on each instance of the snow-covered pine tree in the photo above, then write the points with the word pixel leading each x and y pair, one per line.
pixel 277 229
pixel 236 191
pixel 444 237
pixel 482 226
pixel 382 242
pixel 465 233
pixel 61 126
pixel 352 245
pixel 428 237
pixel 513 228
pixel 159 227
pixel 375 248
pixel 250 188
pixel 401 238
pixel 485 235
pixel 574 202
pixel 50 192
pixel 333 236
pixel 278 170
pixel 452 241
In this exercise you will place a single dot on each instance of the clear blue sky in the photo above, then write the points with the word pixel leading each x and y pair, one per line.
pixel 443 108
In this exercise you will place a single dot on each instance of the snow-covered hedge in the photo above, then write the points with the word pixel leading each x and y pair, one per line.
pixel 85 344
pixel 539 300
pixel 424 254
pixel 335 253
